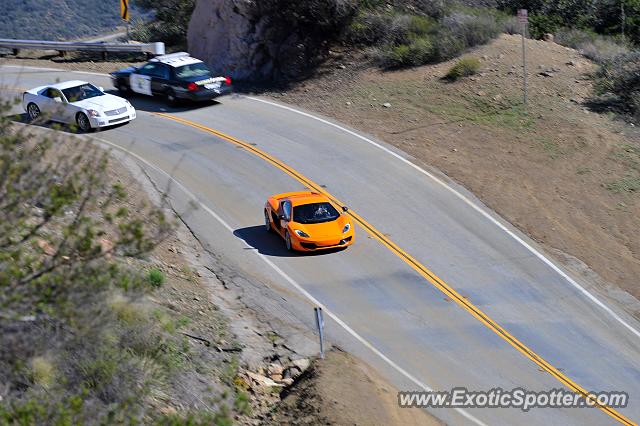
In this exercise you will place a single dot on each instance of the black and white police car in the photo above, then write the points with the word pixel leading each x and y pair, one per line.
pixel 175 76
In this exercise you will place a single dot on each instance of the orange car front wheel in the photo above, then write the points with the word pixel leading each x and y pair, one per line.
pixel 267 222
pixel 287 241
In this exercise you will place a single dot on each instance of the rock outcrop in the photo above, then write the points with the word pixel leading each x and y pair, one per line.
pixel 268 40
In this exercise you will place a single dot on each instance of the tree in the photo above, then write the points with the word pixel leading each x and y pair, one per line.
pixel 66 235
pixel 170 23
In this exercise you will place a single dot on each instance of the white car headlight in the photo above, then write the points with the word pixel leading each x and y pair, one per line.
pixel 346 228
pixel 301 233
pixel 93 113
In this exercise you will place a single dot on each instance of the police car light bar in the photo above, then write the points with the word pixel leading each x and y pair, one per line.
pixel 170 56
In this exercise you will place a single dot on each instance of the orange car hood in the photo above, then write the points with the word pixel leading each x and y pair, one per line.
pixel 323 230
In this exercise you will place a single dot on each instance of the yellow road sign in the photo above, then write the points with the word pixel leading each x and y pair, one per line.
pixel 124 10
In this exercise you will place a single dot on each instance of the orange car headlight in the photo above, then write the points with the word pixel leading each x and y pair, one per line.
pixel 301 233
pixel 346 228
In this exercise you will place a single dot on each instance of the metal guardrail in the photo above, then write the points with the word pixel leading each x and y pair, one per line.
pixel 154 49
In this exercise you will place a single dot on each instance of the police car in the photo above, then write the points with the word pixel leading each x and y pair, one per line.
pixel 175 76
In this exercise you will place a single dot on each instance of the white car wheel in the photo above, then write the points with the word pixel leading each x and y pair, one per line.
pixel 33 111
pixel 83 122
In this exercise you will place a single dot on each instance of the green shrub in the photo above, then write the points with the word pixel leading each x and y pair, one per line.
pixel 170 23
pixel 511 25
pixel 241 403
pixel 369 28
pixel 434 8
pixel 620 77
pixel 447 45
pixel 156 277
pixel 594 46
pixel 408 39
pixel 419 51
pixel 400 56
pixel 465 67
pixel 472 28
pixel 422 50
pixel 541 24
pixel 422 25
pixel 625 185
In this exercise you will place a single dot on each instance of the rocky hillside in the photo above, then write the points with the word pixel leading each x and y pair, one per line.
pixel 58 19
pixel 268 39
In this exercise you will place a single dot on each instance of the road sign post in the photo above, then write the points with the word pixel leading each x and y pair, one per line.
pixel 523 18
pixel 320 325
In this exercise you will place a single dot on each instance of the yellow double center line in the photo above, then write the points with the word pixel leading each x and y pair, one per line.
pixel 418 267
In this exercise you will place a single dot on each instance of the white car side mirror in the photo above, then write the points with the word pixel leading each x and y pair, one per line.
pixel 100 88
pixel 57 99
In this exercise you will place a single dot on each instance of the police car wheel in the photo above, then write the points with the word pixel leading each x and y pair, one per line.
pixel 122 87
pixel 171 97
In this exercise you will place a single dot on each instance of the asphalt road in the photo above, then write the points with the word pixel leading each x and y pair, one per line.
pixel 519 321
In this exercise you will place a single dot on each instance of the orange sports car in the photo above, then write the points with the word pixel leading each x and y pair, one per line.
pixel 308 221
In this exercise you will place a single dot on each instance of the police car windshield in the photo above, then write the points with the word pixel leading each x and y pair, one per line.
pixel 315 213
pixel 82 92
pixel 192 70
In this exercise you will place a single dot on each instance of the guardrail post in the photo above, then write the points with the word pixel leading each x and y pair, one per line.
pixel 158 48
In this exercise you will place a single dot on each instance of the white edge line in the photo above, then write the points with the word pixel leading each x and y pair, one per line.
pixel 297 286
pixel 470 203
pixel 53 69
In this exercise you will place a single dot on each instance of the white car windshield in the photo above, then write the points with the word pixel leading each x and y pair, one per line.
pixel 82 92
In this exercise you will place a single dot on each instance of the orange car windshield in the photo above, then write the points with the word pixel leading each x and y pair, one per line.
pixel 315 213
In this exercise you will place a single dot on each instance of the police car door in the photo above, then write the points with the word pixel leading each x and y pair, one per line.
pixel 160 81
pixel 140 80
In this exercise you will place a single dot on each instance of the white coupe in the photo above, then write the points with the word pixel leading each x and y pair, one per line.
pixel 77 102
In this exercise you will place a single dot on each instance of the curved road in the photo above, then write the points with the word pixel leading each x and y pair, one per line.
pixel 437 292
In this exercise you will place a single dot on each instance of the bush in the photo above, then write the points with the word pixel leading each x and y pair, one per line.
pixel 465 67
pixel 155 277
pixel 596 47
pixel 170 22
pixel 620 77
pixel 399 56
pixel 419 40
pixel 399 30
pixel 541 24
pixel 602 50
pixel 422 25
pixel 368 28
pixel 473 30
pixel 448 46
pixel 511 25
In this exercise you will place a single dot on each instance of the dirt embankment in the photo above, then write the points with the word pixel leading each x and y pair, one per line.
pixel 340 390
pixel 559 172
